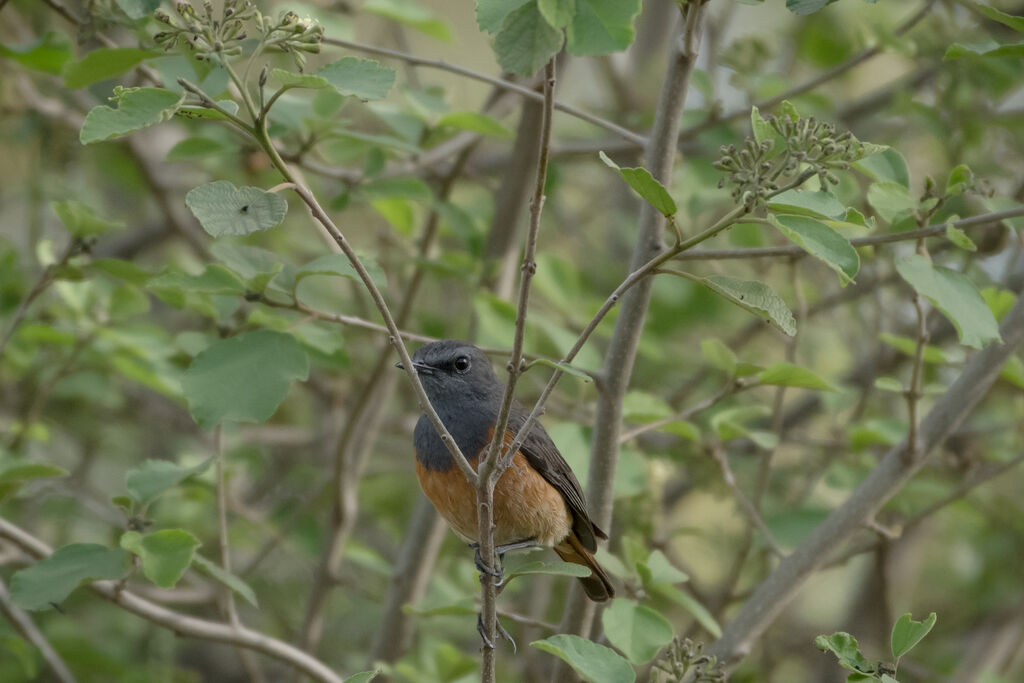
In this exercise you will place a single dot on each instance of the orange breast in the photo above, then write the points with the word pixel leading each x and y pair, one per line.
pixel 525 504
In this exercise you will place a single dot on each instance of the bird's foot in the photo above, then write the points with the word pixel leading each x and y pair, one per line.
pixel 488 643
pixel 485 568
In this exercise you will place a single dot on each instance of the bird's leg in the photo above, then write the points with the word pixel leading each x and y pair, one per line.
pixel 483 567
pixel 517 545
pixel 501 632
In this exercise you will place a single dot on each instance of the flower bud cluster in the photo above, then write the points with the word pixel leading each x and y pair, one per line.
pixel 757 169
pixel 684 660
pixel 211 36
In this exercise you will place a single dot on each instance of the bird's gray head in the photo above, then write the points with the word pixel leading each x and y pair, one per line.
pixel 455 371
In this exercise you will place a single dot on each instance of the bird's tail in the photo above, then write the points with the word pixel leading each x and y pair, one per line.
pixel 597 586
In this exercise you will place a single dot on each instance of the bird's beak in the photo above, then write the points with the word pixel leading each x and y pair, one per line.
pixel 420 368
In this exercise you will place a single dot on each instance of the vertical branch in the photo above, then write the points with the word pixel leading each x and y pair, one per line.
pixel 498 460
pixel 618 364
pixel 27 629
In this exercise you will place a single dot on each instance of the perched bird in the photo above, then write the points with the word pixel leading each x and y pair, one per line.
pixel 537 500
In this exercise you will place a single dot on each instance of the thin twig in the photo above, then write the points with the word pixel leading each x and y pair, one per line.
pixel 718 453
pixel 23 624
pixel 44 280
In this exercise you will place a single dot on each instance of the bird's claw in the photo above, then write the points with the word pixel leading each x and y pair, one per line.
pixel 488 643
pixel 485 568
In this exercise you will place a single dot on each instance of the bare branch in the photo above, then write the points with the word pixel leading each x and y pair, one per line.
pixel 24 625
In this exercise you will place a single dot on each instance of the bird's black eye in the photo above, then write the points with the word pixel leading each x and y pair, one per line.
pixel 461 364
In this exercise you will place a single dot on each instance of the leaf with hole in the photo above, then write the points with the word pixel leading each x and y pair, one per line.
pixel 845 648
pixel 223 209
pixel 907 633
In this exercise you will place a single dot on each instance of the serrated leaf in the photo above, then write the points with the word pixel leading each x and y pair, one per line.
pixel 230 580
pixel 152 478
pixel 81 220
pixel 789 375
pixel 243 378
pixel 958 236
pixel 820 241
pixel 137 108
pixel 103 63
pixel 953 294
pixel 223 209
pixel 887 165
pixel 50 580
pixel 755 297
pixel 906 633
pixel 600 27
pixel 818 204
pixel 718 355
pixel 165 554
pixel 363 78
pixel 526 41
pixel 644 184
pixel 593 662
pixel 845 648
pixel 636 630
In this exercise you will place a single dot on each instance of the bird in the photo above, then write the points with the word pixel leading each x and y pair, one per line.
pixel 537 501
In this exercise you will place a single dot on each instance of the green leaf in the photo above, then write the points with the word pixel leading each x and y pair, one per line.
pixel 215 279
pixel 103 63
pixel 958 236
pixel 755 297
pixel 600 27
pixel 296 80
pixel 844 647
pixel 906 633
pixel 50 580
pixel 410 14
pixel 820 241
pixel 1014 22
pixel 243 378
pixel 557 12
pixel 691 605
pixel 594 663
pixel 932 354
pixel 152 478
pixel 138 9
pixel 891 200
pixel 136 108
pixel 81 219
pixel 806 6
pixel 165 554
pixel 397 188
pixel 818 204
pixel 789 375
pixel 541 567
pixel 491 14
pixel 48 53
pixel 363 676
pixel 889 384
pixel 27 471
pixel 564 367
pixel 959 180
pixel 196 148
pixel 888 165
pixel 644 184
pixel 987 49
pixel 223 209
pixel 363 78
pixel 953 294
pixel 639 406
pixel 657 569
pixel 636 630
pixel 475 122
pixel 339 265
pixel 718 355
pixel 761 129
pixel 526 41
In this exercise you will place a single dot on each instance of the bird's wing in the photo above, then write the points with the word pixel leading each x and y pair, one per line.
pixel 542 454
